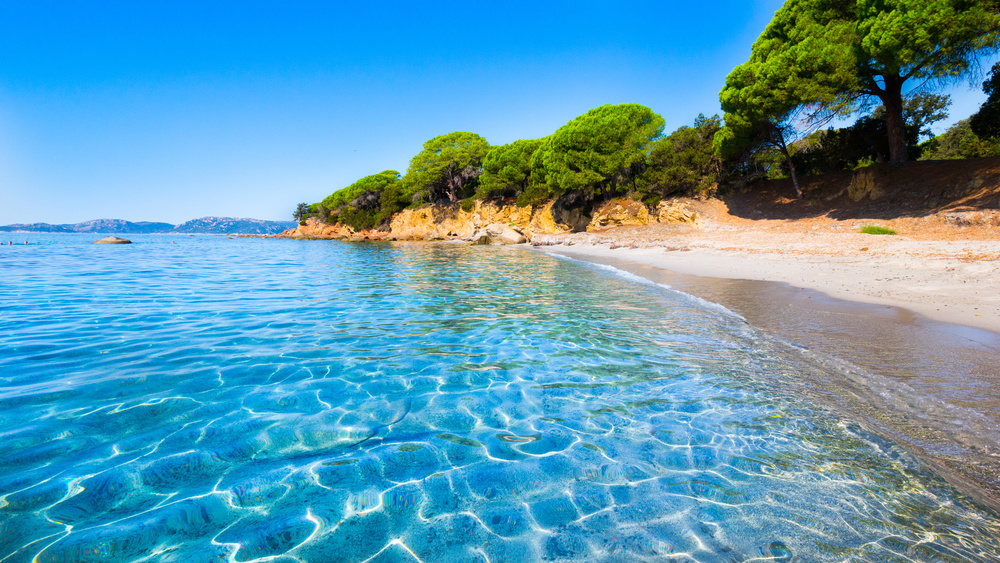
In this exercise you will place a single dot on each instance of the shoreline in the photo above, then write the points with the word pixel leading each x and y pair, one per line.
pixel 944 289
pixel 925 382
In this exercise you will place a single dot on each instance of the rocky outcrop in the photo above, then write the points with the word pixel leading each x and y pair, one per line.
pixel 676 211
pixel 480 237
pixel 985 217
pixel 492 223
pixel 498 223
pixel 865 183
pixel 315 229
pixel 432 222
pixel 553 219
pixel 498 234
pixel 502 234
pixel 619 212
pixel 627 212
pixel 113 240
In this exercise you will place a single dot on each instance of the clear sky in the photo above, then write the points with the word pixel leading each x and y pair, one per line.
pixel 169 111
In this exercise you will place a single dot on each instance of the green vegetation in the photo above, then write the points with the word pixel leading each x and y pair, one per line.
pixel 301 210
pixel 975 137
pixel 447 169
pixel 597 155
pixel 876 230
pixel 764 98
pixel 957 142
pixel 362 193
pixel 683 162
pixel 867 141
pixel 507 169
pixel 816 60
pixel 605 152
pixel 365 204
pixel 985 123
pixel 839 56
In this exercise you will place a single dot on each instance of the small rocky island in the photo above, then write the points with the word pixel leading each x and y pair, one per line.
pixel 113 240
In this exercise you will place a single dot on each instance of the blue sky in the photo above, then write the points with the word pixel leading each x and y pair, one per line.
pixel 168 111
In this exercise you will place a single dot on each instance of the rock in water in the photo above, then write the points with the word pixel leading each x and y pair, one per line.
pixel 480 237
pixel 113 240
pixel 503 234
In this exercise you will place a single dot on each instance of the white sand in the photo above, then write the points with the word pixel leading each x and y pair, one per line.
pixel 925 277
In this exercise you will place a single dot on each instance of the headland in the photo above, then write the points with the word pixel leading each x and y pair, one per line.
pixel 941 260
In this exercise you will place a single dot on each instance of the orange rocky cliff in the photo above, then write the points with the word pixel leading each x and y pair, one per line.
pixel 490 223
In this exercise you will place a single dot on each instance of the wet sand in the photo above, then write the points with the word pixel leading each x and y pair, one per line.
pixel 930 385
pixel 933 278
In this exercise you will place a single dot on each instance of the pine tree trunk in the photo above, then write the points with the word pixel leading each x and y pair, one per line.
pixel 795 177
pixel 892 100
pixel 791 168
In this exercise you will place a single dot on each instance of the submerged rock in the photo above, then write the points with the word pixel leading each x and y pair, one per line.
pixel 113 240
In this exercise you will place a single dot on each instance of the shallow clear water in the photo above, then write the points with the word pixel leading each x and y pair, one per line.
pixel 205 398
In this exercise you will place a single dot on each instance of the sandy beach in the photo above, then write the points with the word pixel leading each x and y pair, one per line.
pixel 944 271
pixel 930 279
pixel 918 314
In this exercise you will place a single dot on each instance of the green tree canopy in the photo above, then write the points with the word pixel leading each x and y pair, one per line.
pixel 447 168
pixel 365 203
pixel 841 54
pixel 985 123
pixel 959 141
pixel 766 102
pixel 598 152
pixel 684 161
pixel 301 210
pixel 362 193
pixel 869 139
pixel 866 140
pixel 920 110
pixel 758 121
pixel 507 169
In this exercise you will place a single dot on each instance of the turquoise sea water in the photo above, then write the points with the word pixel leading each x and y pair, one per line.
pixel 214 399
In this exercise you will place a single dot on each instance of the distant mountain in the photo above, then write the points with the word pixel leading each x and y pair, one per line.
pixel 120 226
pixel 226 225
pixel 205 225
pixel 36 228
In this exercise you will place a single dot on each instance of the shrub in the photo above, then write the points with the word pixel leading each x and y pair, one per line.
pixel 959 142
pixel 877 230
pixel 683 162
pixel 535 194
pixel 652 201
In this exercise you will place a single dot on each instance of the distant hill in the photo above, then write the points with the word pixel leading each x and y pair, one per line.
pixel 205 225
pixel 36 228
pixel 120 226
pixel 223 225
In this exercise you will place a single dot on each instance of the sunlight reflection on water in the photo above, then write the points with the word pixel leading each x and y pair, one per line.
pixel 216 399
